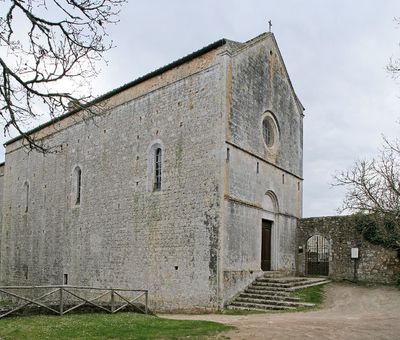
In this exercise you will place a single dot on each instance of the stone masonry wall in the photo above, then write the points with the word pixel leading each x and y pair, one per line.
pixel 122 234
pixel 375 264
pixel 195 243
pixel 257 83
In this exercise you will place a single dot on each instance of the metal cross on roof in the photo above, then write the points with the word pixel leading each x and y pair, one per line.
pixel 270 25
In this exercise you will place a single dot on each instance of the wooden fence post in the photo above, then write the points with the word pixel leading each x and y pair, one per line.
pixel 147 301
pixel 61 301
pixel 112 301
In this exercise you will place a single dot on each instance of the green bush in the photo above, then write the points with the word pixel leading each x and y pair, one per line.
pixel 379 229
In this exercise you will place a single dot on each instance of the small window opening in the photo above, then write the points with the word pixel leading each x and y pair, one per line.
pixel 298 186
pixel 65 279
pixel 157 169
pixel 228 154
pixel 283 178
pixel 78 179
pixel 26 197
pixel 176 267
pixel 269 131
pixel 258 167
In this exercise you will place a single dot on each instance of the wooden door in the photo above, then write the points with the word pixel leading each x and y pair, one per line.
pixel 266 245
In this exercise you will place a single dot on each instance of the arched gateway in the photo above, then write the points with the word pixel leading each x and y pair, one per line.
pixel 317 256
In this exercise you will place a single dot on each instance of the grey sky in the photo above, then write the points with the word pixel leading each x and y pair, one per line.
pixel 335 52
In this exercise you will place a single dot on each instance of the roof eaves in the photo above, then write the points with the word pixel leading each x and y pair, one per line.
pixel 137 81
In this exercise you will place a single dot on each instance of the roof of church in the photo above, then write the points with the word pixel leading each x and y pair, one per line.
pixel 232 45
pixel 137 81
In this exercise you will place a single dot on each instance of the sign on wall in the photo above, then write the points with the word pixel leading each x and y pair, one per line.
pixel 354 253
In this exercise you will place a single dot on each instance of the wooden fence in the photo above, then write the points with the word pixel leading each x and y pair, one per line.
pixel 64 299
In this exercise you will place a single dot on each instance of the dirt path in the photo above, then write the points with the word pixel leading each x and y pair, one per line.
pixel 350 312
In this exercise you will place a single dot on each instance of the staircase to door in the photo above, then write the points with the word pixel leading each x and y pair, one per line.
pixel 274 293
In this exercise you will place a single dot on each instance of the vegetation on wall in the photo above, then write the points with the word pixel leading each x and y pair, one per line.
pixel 379 229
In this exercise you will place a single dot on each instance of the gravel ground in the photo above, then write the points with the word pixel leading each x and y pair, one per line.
pixel 349 312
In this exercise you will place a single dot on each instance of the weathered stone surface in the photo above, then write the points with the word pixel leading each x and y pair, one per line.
pixel 375 263
pixel 258 83
pixel 195 243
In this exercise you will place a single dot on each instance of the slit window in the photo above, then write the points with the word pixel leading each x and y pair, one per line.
pixel 157 169
pixel 78 185
pixel 26 189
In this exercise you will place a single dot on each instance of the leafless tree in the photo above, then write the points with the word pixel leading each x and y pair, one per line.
pixel 49 52
pixel 373 193
pixel 394 64
pixel 374 185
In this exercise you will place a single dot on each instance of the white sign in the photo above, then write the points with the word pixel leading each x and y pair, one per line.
pixel 354 253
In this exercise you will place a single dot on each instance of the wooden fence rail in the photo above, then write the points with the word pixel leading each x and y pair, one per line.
pixel 69 298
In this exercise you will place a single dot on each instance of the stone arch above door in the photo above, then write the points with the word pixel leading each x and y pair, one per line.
pixel 270 202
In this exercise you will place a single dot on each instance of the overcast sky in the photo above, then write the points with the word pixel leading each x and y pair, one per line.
pixel 335 52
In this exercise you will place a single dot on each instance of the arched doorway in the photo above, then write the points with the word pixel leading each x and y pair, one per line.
pixel 269 232
pixel 266 245
pixel 317 256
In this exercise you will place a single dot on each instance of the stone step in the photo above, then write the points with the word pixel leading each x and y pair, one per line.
pixel 282 280
pixel 269 297
pixel 246 308
pixel 273 302
pixel 256 306
pixel 274 293
pixel 309 284
pixel 274 274
pixel 287 285
pixel 271 285
pixel 265 290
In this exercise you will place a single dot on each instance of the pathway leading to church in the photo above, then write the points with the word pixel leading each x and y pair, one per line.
pixel 349 312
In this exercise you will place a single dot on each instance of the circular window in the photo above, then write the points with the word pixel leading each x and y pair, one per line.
pixel 269 131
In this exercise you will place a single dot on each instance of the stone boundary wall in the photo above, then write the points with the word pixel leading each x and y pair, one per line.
pixel 375 263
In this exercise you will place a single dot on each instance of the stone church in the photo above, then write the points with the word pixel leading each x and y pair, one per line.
pixel 188 185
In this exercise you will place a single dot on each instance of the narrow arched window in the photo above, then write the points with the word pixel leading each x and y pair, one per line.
pixel 78 184
pixel 157 169
pixel 26 198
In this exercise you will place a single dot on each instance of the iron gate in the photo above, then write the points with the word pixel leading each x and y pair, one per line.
pixel 317 255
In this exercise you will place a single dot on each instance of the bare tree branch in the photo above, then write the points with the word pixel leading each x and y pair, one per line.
pixel 373 189
pixel 61 45
pixel 394 64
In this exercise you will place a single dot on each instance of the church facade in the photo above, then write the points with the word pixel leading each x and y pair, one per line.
pixel 188 185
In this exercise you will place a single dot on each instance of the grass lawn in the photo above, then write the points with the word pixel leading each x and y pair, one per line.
pixel 105 326
pixel 315 294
